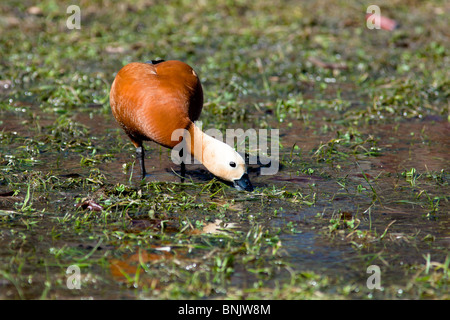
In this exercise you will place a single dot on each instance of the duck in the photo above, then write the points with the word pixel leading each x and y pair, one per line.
pixel 150 100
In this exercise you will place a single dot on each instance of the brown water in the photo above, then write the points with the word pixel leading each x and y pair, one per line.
pixel 420 144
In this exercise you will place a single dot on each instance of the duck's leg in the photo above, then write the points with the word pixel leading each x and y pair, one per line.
pixel 183 171
pixel 140 155
pixel 183 166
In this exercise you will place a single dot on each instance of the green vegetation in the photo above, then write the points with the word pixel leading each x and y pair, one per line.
pixel 364 174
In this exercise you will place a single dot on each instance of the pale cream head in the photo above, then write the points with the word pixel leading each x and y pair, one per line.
pixel 221 160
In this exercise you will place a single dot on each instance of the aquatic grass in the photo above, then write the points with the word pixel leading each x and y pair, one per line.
pixel 27 202
pixel 431 279
pixel 317 77
pixel 13 280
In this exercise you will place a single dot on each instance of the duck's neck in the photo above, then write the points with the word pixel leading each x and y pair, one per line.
pixel 198 142
pixel 214 154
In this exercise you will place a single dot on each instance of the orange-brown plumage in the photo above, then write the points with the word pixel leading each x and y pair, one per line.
pixel 152 100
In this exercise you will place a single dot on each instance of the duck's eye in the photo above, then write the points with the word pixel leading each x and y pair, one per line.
pixel 232 164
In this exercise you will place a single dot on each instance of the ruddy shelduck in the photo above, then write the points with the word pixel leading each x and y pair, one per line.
pixel 151 100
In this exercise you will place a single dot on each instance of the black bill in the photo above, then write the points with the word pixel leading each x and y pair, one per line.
pixel 243 183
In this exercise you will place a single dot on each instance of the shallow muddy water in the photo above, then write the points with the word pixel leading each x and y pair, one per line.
pixel 306 212
pixel 364 153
